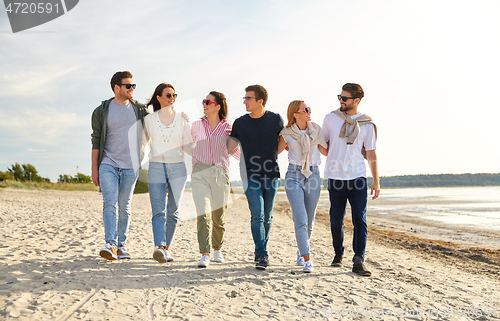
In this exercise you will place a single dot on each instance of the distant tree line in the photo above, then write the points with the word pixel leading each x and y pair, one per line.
pixel 23 173
pixel 78 178
pixel 28 173
pixel 439 180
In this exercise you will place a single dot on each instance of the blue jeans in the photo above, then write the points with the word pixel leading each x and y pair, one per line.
pixel 260 193
pixel 356 192
pixel 303 196
pixel 117 187
pixel 163 177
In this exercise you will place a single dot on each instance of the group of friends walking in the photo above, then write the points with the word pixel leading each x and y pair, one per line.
pixel 122 127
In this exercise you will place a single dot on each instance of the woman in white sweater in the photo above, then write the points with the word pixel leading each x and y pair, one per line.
pixel 170 136
pixel 302 181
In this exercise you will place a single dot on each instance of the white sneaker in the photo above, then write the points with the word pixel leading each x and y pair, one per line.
pixel 308 267
pixel 122 253
pixel 160 255
pixel 300 259
pixel 218 256
pixel 169 257
pixel 204 262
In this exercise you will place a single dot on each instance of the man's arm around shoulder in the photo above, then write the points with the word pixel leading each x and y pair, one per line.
pixel 143 110
pixel 232 143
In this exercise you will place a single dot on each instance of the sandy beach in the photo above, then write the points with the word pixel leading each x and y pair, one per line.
pixel 50 268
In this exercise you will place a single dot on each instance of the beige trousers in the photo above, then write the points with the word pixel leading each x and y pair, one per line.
pixel 210 186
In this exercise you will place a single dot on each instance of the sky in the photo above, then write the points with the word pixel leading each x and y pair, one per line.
pixel 430 71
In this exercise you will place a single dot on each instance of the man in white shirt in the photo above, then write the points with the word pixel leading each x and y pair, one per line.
pixel 349 134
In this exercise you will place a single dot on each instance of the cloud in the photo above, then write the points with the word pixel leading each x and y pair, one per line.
pixel 36 82
pixel 47 126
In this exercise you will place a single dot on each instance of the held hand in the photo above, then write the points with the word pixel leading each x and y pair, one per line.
pixel 185 116
pixel 376 189
pixel 95 178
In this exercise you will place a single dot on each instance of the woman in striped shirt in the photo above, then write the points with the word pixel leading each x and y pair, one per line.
pixel 210 177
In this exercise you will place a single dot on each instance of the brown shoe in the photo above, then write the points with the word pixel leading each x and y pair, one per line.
pixel 122 252
pixel 109 252
pixel 360 269
pixel 337 260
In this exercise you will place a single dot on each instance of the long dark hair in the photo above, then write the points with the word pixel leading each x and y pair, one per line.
pixel 158 92
pixel 221 100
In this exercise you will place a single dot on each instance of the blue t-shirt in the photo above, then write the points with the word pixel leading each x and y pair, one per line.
pixel 119 137
pixel 259 144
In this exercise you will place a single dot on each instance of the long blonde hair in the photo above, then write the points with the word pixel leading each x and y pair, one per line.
pixel 292 109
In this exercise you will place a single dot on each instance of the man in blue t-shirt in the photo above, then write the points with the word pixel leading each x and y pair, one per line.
pixel 258 133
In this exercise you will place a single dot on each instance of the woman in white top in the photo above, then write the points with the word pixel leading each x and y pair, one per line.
pixel 302 181
pixel 169 136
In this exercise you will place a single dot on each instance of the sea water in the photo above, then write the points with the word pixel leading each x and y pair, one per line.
pixel 472 206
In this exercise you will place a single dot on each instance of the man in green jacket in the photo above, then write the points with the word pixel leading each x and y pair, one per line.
pixel 116 157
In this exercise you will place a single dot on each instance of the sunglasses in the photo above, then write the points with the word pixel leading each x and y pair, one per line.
pixel 344 98
pixel 169 95
pixel 306 109
pixel 208 102
pixel 128 86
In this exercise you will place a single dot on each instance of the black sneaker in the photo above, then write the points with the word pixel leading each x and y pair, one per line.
pixel 337 260
pixel 257 258
pixel 360 269
pixel 263 263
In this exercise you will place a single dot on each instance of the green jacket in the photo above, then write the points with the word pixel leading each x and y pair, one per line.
pixel 100 121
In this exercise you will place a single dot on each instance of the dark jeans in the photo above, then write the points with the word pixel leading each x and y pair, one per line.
pixel 260 193
pixel 356 192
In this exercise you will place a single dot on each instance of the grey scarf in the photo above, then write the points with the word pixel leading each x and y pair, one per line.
pixel 356 123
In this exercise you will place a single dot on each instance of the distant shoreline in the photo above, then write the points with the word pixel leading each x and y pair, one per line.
pixel 434 180
pixel 386 182
pixel 440 180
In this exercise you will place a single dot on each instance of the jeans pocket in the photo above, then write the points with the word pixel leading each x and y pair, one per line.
pixel 293 170
pixel 176 170
pixel 290 174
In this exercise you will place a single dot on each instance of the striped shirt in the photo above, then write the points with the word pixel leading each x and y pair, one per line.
pixel 211 146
